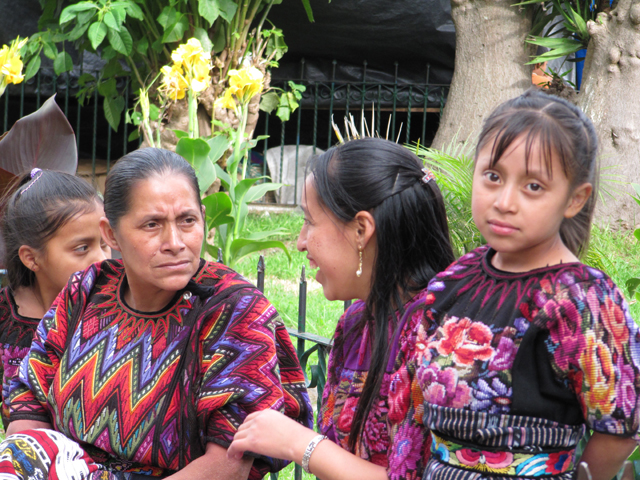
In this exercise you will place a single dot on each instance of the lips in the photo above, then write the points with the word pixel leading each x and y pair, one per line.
pixel 312 262
pixel 502 228
pixel 178 265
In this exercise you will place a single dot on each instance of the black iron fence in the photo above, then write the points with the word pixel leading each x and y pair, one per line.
pixel 406 112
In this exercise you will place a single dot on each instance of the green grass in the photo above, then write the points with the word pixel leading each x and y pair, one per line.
pixel 282 278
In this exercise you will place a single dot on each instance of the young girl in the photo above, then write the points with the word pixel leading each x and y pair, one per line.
pixel 523 347
pixel 50 228
pixel 376 229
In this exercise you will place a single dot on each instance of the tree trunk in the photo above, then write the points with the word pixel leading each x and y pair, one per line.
pixel 610 97
pixel 489 67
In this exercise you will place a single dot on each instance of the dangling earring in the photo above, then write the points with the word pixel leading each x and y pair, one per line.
pixel 359 271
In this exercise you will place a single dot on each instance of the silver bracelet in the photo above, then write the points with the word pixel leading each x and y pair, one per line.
pixel 310 448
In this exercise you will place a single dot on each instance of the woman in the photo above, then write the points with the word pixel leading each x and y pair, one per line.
pixel 150 364
pixel 376 229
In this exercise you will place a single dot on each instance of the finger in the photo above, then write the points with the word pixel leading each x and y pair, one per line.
pixel 235 450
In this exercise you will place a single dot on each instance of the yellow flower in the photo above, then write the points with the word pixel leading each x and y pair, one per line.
pixel 11 63
pixel 247 82
pixel 226 101
pixel 173 83
pixel 196 63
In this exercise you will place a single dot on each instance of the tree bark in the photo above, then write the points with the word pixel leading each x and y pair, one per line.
pixel 610 96
pixel 489 67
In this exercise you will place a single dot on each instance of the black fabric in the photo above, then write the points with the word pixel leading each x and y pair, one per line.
pixel 537 392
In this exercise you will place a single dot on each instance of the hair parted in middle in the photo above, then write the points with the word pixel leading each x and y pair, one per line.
pixel 560 128
pixel 412 234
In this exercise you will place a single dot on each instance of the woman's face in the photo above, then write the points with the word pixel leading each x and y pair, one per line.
pixel 160 237
pixel 332 248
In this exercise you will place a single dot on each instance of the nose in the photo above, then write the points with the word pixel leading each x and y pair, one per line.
pixel 506 200
pixel 98 254
pixel 173 239
pixel 301 243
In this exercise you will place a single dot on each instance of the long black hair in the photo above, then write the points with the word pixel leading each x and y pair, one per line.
pixel 34 208
pixel 412 236
pixel 561 128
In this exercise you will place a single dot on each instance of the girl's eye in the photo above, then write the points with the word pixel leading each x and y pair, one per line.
pixel 492 177
pixel 81 249
pixel 534 187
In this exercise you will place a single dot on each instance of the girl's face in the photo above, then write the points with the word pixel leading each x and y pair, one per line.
pixel 519 211
pixel 332 248
pixel 160 238
pixel 74 246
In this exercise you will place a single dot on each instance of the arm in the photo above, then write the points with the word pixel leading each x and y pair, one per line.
pixel 270 433
pixel 18 426
pixel 605 454
pixel 215 465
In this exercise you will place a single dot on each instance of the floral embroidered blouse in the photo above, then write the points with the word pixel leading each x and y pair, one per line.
pixel 347 373
pixel 555 343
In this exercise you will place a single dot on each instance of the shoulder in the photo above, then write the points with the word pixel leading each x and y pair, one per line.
pixel 469 262
pixel 219 276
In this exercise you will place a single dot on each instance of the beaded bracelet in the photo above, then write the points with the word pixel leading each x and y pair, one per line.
pixel 310 448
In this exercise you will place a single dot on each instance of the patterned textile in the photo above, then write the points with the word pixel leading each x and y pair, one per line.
pixel 16 333
pixel 556 343
pixel 344 387
pixel 149 390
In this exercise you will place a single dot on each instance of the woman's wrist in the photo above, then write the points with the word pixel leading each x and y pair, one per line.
pixel 299 447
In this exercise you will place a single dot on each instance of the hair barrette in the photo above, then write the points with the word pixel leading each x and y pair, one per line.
pixel 428 176
pixel 34 179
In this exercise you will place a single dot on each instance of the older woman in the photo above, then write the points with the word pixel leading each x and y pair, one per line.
pixel 150 364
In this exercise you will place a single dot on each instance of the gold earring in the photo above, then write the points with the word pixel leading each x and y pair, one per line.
pixel 359 271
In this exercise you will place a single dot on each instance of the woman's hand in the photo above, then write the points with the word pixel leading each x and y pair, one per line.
pixel 18 426
pixel 273 434
pixel 605 454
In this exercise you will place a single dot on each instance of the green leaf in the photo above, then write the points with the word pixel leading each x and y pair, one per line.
pixel 77 32
pixel 228 9
pixel 307 8
pixel 175 31
pixel 113 68
pixel 32 67
pixel 113 107
pixel 219 144
pixel 97 32
pixel 119 14
pixel 209 10
pixel 180 134
pixel 224 177
pixel 85 78
pixel 283 113
pixel 134 135
pixel 196 152
pixel 110 21
pixel 219 40
pixel 107 88
pixel 72 10
pixel 50 50
pixel 142 46
pixel 258 191
pixel 269 101
pixel 202 35
pixel 243 187
pixel 121 41
pixel 241 247
pixel 167 16
pixel 62 63
pixel 218 206
pixel 636 233
pixel 632 285
pixel 134 10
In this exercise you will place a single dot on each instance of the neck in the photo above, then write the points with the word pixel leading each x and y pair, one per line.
pixel 145 301
pixel 539 256
pixel 32 302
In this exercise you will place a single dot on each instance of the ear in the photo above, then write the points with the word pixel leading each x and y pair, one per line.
pixel 204 212
pixel 28 257
pixel 365 227
pixel 578 198
pixel 108 234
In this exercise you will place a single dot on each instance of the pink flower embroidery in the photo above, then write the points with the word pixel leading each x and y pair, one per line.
pixel 443 387
pixel 466 340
